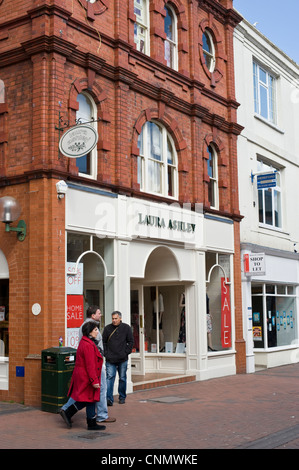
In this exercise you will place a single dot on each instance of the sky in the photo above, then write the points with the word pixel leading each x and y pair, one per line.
pixel 276 19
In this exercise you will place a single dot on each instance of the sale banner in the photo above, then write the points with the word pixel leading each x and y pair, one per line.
pixel 226 322
pixel 75 311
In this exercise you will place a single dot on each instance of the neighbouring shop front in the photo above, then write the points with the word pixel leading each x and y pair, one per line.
pixel 165 268
pixel 270 303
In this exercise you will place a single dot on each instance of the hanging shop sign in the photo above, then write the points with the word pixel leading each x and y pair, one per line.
pixel 78 141
pixel 226 322
pixel 255 264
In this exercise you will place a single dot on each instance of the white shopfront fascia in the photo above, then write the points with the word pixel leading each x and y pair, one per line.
pixel 138 228
pixel 281 268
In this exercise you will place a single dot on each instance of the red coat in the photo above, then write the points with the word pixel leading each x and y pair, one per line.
pixel 87 371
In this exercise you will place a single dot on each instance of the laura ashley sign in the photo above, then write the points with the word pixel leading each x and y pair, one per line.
pixel 78 141
pixel 170 224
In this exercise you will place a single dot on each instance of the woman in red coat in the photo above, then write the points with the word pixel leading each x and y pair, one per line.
pixel 86 378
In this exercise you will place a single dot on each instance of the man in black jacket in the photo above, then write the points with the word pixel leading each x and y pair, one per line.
pixel 118 343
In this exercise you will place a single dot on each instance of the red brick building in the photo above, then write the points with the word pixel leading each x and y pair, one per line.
pixel 152 211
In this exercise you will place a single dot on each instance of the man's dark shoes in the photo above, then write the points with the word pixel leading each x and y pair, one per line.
pixel 121 401
pixel 109 403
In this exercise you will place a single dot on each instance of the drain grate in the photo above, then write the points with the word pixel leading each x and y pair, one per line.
pixel 169 400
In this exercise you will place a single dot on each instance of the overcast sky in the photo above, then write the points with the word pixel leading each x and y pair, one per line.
pixel 280 25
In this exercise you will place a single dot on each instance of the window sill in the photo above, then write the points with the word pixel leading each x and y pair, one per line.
pixel 268 123
pixel 274 229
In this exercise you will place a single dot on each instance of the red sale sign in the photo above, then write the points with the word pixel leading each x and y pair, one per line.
pixel 75 311
pixel 226 323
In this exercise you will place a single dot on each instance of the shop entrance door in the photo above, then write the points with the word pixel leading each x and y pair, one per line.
pixel 137 324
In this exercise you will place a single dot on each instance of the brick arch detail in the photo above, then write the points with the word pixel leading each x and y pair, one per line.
pixel 220 55
pixel 90 85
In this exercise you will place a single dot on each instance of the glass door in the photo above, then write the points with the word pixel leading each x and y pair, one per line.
pixel 137 324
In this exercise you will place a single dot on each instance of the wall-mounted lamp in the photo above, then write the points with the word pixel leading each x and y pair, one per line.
pixel 61 188
pixel 9 212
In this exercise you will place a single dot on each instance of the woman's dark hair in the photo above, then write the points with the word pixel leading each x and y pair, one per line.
pixel 88 327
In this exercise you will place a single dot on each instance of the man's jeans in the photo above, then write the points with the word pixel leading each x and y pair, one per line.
pixel 101 406
pixel 121 368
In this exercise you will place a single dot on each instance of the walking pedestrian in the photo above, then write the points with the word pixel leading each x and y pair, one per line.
pixel 118 342
pixel 93 313
pixel 86 379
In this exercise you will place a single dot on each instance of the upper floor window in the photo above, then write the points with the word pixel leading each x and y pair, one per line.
pixel 170 43
pixel 208 50
pixel 157 162
pixel 141 26
pixel 212 164
pixel 264 93
pixel 270 199
pixel 2 90
pixel 87 112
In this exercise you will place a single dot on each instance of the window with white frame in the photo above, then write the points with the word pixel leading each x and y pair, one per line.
pixel 157 162
pixel 170 43
pixel 141 26
pixel 208 50
pixel 269 199
pixel 212 164
pixel 264 93
pixel 87 113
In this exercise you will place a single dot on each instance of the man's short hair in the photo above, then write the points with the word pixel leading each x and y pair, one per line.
pixel 116 312
pixel 91 310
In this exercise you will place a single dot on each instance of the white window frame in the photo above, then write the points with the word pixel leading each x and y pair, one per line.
pixel 171 43
pixel 141 11
pixel 147 164
pixel 88 117
pixel 213 175
pixel 276 197
pixel 260 87
pixel 212 53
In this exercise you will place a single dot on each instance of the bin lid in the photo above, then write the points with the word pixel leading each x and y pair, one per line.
pixel 59 350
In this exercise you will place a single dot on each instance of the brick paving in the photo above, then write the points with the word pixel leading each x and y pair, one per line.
pixel 250 411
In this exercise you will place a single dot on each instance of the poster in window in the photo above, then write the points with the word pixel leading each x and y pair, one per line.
pixel 75 311
pixel 225 314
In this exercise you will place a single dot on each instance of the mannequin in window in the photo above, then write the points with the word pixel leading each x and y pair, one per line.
pixel 160 305
pixel 209 326
pixel 182 332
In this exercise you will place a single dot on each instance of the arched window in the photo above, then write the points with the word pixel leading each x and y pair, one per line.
pixel 212 164
pixel 86 113
pixel 141 26
pixel 170 43
pixel 157 162
pixel 208 50
pixel 2 90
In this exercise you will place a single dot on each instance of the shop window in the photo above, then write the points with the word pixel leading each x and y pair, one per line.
pixel 208 50
pixel 157 161
pixel 269 199
pixel 170 43
pixel 87 113
pixel 141 26
pixel 264 84
pixel 212 164
pixel 4 317
pixel 218 301
pixel 164 319
pixel 93 282
pixel 274 316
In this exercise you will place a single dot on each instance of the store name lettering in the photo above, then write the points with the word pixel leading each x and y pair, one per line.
pixel 171 224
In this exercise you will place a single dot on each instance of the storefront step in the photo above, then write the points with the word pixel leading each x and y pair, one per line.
pixel 144 382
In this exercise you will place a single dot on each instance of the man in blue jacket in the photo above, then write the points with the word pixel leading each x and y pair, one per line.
pixel 118 343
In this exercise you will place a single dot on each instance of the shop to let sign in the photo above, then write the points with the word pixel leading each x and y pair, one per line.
pixel 254 264
pixel 226 323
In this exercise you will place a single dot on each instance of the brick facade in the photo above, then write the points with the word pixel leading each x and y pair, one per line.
pixel 51 50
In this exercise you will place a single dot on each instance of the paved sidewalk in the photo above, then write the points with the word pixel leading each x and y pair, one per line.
pixel 250 411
